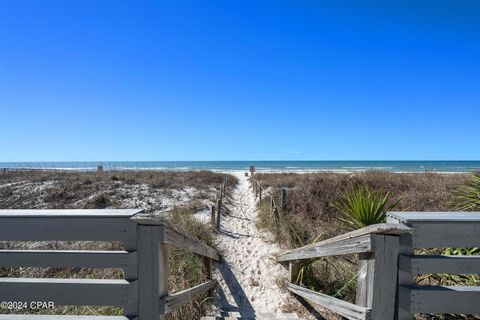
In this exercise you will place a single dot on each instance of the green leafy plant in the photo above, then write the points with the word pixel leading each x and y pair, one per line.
pixel 362 207
pixel 468 194
pixel 305 273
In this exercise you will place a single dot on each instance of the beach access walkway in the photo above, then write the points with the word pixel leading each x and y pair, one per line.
pixel 248 273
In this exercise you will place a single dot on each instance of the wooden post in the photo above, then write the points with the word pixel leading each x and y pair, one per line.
pixel 208 271
pixel 293 270
pixel 405 278
pixel 271 205
pixel 131 271
pixel 212 218
pixel 219 209
pixel 260 193
pixel 283 198
pixel 152 272
pixel 377 277
pixel 366 263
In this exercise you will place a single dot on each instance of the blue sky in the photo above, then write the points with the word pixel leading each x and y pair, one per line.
pixel 239 80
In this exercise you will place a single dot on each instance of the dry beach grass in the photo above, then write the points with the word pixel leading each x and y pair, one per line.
pixel 310 215
pixel 187 195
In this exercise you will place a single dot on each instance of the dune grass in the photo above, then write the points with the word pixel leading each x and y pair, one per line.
pixel 187 193
pixel 312 213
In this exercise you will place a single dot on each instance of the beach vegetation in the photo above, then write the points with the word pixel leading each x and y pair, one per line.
pixel 468 194
pixel 183 193
pixel 363 207
pixel 311 214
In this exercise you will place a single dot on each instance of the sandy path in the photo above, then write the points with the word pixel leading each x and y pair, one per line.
pixel 252 274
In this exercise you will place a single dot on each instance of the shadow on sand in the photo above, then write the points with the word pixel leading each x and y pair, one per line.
pixel 243 305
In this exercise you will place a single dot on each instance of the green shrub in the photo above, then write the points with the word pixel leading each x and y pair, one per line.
pixel 468 194
pixel 362 207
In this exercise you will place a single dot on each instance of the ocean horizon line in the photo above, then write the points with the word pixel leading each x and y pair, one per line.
pixel 260 165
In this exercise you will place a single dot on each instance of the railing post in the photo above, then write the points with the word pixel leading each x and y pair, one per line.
pixel 366 263
pixel 283 198
pixel 152 272
pixel 219 209
pixel 377 282
pixel 271 205
pixel 130 244
pixel 293 270
pixel 208 270
pixel 212 218
pixel 405 278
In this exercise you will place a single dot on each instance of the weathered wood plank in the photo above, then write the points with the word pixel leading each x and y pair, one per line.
pixel 385 273
pixel 405 278
pixel 177 299
pixel 59 317
pixel 446 234
pixel 179 240
pixel 293 270
pixel 66 258
pixel 441 264
pixel 343 308
pixel 283 198
pixel 219 210
pixel 364 294
pixel 70 213
pixel 358 244
pixel 69 291
pixel 413 217
pixel 64 228
pixel 208 265
pixel 148 271
pixel 443 299
pixel 163 273
pixel 383 228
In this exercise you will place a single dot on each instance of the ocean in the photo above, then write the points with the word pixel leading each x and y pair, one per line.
pixel 264 166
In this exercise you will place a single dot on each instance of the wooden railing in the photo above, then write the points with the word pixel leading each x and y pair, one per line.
pixel 143 293
pixel 387 265
pixel 437 230
pixel 377 247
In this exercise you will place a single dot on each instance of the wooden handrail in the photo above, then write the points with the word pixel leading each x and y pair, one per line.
pixel 178 299
pixel 357 241
pixel 144 259
pixel 378 247
pixel 343 308
pixel 174 236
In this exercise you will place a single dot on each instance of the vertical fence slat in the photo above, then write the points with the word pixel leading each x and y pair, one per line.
pixel 385 277
pixel 283 198
pixel 366 263
pixel 212 218
pixel 405 278
pixel 149 271
pixel 208 263
pixel 163 277
pixel 293 270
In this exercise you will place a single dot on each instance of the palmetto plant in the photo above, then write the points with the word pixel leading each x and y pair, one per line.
pixel 468 194
pixel 362 207
pixel 305 273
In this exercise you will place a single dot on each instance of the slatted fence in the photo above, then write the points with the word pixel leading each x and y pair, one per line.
pixel 143 293
pixel 388 262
